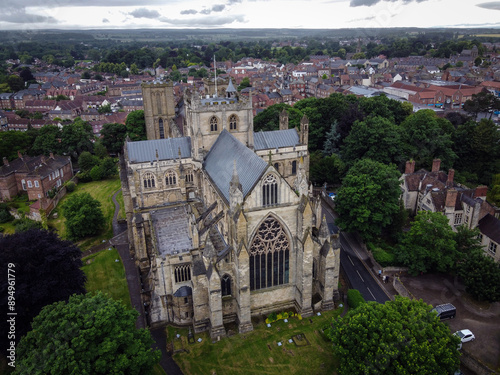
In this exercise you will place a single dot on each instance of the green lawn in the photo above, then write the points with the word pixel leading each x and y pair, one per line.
pixel 107 275
pixel 102 191
pixel 257 352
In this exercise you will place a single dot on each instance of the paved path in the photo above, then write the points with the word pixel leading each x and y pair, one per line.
pixel 120 241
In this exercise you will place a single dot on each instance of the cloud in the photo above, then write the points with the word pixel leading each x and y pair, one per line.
pixel 369 3
pixel 233 2
pixel 20 16
pixel 218 7
pixel 206 11
pixel 79 3
pixel 363 19
pixel 493 5
pixel 189 11
pixel 144 13
pixel 105 20
pixel 205 21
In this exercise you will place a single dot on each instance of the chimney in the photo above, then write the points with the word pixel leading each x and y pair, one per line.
pixel 410 167
pixel 51 155
pixel 451 175
pixel 480 192
pixel 451 198
pixel 5 161
pixel 436 165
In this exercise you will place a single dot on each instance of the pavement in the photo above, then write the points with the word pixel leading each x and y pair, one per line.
pixel 120 242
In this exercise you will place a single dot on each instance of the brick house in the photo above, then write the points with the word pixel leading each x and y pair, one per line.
pixel 436 191
pixel 35 175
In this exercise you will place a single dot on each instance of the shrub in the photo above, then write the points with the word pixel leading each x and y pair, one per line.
pixel 382 256
pixel 5 215
pixel 354 298
pixel 24 224
pixel 70 186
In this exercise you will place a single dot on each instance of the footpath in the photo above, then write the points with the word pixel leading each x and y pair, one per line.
pixel 121 243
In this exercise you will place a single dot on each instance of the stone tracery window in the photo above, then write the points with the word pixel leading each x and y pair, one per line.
pixel 170 178
pixel 161 129
pixel 270 191
pixel 149 180
pixel 225 285
pixel 213 124
pixel 269 256
pixel 233 122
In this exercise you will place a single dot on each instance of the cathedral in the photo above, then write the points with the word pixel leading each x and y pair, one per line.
pixel 221 220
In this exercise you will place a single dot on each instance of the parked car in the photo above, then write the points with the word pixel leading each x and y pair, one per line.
pixel 445 311
pixel 465 335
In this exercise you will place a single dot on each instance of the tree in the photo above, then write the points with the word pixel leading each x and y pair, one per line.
pixel 245 82
pixel 46 268
pixel 136 125
pixel 375 138
pixel 269 119
pixel 399 337
pixel 329 169
pixel 83 216
pixel 86 161
pixel 77 137
pixel 369 198
pixel 113 137
pixel 13 141
pixel 429 245
pixel 47 140
pixel 89 334
pixel 109 167
pixel 428 137
pixel 482 102
pixel 481 276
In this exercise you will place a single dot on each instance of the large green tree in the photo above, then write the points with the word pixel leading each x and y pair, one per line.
pixel 46 269
pixel 396 338
pixel 136 125
pixel 113 136
pixel 77 137
pixel 428 137
pixel 47 141
pixel 481 276
pixel 13 141
pixel 89 334
pixel 375 138
pixel 368 200
pixel 269 119
pixel 429 245
pixel 83 216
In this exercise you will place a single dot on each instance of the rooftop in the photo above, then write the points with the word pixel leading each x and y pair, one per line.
pixel 171 230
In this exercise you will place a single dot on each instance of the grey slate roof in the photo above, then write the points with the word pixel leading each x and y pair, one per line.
pixel 276 138
pixel 219 164
pixel 168 149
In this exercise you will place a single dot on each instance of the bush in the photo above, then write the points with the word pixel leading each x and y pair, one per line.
pixel 84 176
pixel 354 298
pixel 24 224
pixel 383 257
pixel 5 215
pixel 70 186
pixel 96 173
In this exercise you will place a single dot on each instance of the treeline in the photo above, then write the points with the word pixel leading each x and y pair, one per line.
pixel 344 129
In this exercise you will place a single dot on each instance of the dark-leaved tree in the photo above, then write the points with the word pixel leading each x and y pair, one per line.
pixel 45 270
pixel 89 334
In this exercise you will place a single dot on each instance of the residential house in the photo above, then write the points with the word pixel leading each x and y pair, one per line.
pixel 437 191
pixel 35 175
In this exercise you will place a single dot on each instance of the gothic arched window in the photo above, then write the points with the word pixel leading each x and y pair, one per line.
pixel 213 124
pixel 189 176
pixel 269 191
pixel 170 178
pixel 233 122
pixel 294 167
pixel 269 256
pixel 225 285
pixel 162 130
pixel 149 180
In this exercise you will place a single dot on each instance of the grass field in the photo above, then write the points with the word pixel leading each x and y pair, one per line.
pixel 107 275
pixel 102 191
pixel 258 352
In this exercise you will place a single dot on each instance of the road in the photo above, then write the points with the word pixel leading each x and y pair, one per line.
pixel 356 271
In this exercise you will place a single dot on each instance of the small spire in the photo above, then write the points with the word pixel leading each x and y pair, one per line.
pixel 235 180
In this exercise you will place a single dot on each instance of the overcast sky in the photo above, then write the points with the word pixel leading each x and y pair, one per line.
pixel 108 14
